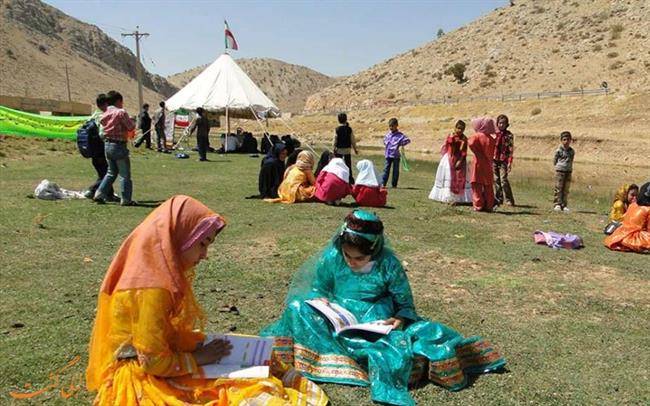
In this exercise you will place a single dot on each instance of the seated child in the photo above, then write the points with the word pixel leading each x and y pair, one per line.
pixel 625 196
pixel 325 158
pixel 358 271
pixel 272 171
pixel 367 190
pixel 634 233
pixel 332 182
pixel 298 183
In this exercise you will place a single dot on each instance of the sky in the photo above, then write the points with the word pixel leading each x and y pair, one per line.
pixel 333 37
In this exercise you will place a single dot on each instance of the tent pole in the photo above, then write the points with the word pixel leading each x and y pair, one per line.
pixel 225 147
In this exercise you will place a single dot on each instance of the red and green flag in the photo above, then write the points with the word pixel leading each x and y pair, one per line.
pixel 230 39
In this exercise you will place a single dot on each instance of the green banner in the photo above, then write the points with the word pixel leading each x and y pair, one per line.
pixel 16 122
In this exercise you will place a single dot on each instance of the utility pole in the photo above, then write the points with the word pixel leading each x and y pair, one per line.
pixel 138 70
pixel 67 81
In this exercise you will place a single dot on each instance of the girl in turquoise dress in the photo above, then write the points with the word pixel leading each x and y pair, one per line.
pixel 359 272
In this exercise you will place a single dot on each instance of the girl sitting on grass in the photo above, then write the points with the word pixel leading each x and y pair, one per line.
pixel 367 191
pixel 298 183
pixel 358 271
pixel 634 233
pixel 332 183
pixel 625 196
pixel 147 343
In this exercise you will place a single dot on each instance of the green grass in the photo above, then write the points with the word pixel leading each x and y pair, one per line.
pixel 572 324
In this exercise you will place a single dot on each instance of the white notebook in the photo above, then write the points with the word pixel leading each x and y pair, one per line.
pixel 250 357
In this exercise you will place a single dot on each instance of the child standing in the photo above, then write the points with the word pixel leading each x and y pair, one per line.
pixel 503 154
pixel 563 161
pixel 452 185
pixel 116 124
pixel 344 142
pixel 482 145
pixel 393 140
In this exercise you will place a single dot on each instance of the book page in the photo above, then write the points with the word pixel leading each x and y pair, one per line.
pixel 249 357
pixel 214 371
pixel 337 315
pixel 374 327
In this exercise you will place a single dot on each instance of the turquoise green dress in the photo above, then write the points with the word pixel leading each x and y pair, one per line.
pixel 389 364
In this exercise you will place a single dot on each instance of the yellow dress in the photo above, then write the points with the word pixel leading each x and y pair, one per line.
pixel 297 186
pixel 620 205
pixel 145 358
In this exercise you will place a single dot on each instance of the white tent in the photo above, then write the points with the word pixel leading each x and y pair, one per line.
pixel 225 89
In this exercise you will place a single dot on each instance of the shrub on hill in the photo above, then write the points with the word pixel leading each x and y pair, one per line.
pixel 458 71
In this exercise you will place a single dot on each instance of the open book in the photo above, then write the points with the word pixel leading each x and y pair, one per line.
pixel 343 320
pixel 250 357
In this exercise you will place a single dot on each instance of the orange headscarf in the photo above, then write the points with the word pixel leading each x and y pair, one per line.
pixel 150 257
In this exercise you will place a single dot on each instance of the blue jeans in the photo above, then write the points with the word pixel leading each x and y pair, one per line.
pixel 394 162
pixel 117 156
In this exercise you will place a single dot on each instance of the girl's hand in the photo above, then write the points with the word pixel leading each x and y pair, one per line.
pixel 324 300
pixel 212 352
pixel 395 322
pixel 458 164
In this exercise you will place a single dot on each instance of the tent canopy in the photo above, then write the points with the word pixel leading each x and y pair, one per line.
pixel 224 85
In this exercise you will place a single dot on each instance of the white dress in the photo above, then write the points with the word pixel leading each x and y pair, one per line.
pixel 441 191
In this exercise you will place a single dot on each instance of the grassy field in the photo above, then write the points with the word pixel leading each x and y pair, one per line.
pixel 572 324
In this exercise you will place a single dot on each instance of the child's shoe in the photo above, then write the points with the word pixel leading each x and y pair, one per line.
pixel 557 207
pixel 566 209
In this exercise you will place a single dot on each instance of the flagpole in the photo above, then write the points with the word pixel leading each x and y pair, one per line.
pixel 225 51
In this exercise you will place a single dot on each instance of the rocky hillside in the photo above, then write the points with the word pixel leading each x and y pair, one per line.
pixel 286 84
pixel 37 41
pixel 531 46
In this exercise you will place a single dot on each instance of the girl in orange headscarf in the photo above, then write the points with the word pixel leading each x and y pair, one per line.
pixel 147 341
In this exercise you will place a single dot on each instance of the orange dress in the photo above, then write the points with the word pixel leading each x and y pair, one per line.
pixel 297 186
pixel 634 233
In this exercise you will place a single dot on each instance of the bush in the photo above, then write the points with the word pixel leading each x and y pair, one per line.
pixel 612 54
pixel 616 30
pixel 458 71
pixel 598 47
pixel 536 111
pixel 391 96
pixel 616 65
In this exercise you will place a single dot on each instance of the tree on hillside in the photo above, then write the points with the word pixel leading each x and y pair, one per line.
pixel 458 70
pixel 440 32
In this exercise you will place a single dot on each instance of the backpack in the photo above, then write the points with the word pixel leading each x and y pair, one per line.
pixel 87 137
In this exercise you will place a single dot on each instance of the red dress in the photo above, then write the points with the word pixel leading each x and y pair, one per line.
pixel 482 180
pixel 370 196
pixel 330 187
pixel 456 149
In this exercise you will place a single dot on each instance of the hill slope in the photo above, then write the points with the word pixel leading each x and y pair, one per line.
pixel 529 47
pixel 37 41
pixel 287 85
